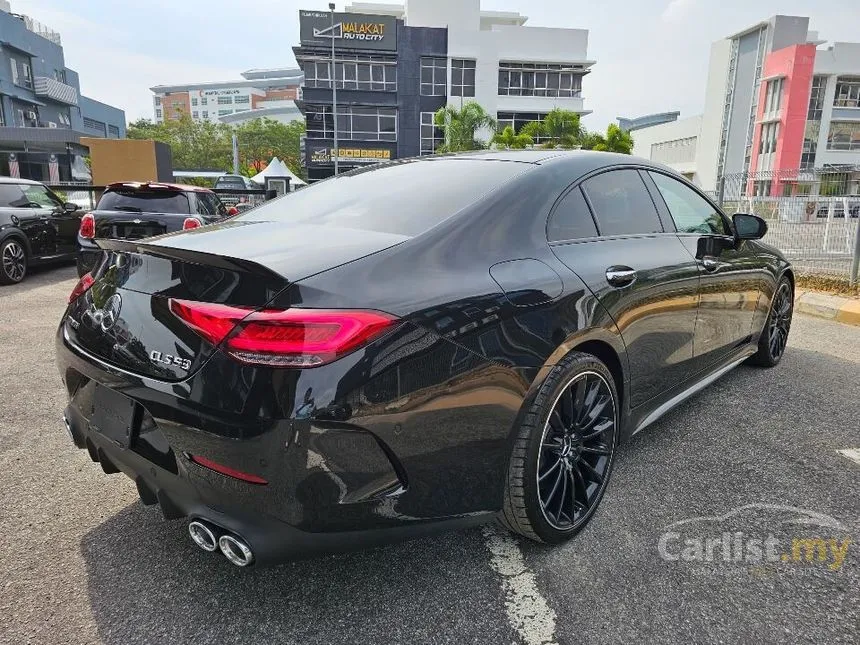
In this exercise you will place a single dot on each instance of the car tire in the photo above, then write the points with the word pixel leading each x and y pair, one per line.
pixel 560 443
pixel 774 336
pixel 13 261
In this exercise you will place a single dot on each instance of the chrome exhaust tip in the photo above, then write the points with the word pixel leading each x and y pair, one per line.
pixel 68 428
pixel 236 551
pixel 203 536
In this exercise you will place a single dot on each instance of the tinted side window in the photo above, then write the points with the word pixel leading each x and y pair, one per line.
pixel 40 195
pixel 11 196
pixel 691 213
pixel 622 204
pixel 571 219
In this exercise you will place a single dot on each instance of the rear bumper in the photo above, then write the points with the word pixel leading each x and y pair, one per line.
pixel 331 486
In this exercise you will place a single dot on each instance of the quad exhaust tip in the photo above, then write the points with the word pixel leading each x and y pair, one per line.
pixel 236 551
pixel 203 536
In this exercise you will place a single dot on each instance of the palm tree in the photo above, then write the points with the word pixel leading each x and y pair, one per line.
pixel 508 139
pixel 559 128
pixel 616 140
pixel 461 126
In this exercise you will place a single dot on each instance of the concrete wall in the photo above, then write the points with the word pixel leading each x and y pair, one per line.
pixel 842 59
pixel 645 138
pixel 103 113
pixel 708 147
pixel 465 14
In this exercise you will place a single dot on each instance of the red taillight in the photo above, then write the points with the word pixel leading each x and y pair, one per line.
pixel 190 222
pixel 226 470
pixel 283 338
pixel 81 287
pixel 88 227
pixel 232 211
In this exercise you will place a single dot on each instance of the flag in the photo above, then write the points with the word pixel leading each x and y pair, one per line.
pixel 53 170
pixel 14 168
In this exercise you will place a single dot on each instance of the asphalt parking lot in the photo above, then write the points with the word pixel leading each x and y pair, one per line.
pixel 752 459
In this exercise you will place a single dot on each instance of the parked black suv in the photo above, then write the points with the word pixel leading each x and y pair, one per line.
pixel 36 227
pixel 135 210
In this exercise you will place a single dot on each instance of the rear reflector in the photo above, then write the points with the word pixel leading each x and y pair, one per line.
pixel 283 338
pixel 88 227
pixel 190 222
pixel 226 470
pixel 82 287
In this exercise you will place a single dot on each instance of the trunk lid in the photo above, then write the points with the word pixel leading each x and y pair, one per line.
pixel 125 318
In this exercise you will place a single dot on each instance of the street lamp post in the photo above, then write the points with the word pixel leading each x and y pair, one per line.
pixel 333 88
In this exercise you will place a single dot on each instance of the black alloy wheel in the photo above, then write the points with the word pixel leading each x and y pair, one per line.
pixel 575 450
pixel 561 465
pixel 13 262
pixel 774 336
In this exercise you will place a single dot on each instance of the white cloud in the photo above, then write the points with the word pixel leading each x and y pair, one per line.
pixel 676 10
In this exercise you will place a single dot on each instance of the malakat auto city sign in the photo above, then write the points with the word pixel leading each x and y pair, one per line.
pixel 351 30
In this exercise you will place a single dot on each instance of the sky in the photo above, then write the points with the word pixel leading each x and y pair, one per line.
pixel 652 55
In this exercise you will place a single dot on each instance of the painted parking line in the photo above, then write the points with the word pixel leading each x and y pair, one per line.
pixel 852 453
pixel 527 610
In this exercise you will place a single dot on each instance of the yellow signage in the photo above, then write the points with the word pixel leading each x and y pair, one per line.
pixel 361 155
pixel 375 28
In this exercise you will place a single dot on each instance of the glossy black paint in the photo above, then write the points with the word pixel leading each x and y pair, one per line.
pixel 412 432
pixel 48 234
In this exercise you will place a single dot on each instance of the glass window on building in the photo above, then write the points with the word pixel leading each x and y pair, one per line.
pixel 517 120
pixel 225 100
pixel 13 64
pixel 158 100
pixel 773 96
pixel 205 114
pixel 113 131
pixel 769 136
pixel 27 75
pixel 844 135
pixel 224 112
pixel 242 99
pixel 158 113
pixel 540 79
pixel 434 76
pixel 359 72
pixel 353 122
pixel 204 101
pixel 195 114
pixel 194 102
pixel 431 136
pixel 462 77
pixel 847 92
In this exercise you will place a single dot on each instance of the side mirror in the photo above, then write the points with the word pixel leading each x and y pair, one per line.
pixel 232 211
pixel 70 207
pixel 749 227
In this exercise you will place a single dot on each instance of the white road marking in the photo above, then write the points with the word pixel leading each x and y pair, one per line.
pixel 527 610
pixel 852 453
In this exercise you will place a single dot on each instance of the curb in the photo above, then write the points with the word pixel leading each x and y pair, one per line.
pixel 823 305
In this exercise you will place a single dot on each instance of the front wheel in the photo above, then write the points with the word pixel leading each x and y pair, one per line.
pixel 562 455
pixel 774 336
pixel 13 261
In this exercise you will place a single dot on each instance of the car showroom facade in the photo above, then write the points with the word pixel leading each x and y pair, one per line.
pixel 396 65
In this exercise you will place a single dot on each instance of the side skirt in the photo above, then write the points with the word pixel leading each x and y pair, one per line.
pixel 696 387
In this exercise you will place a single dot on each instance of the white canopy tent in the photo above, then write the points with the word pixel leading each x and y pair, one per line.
pixel 277 168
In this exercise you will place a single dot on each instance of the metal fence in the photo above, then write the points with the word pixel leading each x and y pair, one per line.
pixel 813 215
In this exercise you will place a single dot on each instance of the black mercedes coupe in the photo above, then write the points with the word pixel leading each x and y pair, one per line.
pixel 424 344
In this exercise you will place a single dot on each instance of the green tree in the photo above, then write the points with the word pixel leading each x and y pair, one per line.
pixel 616 140
pixel 507 139
pixel 559 129
pixel 461 126
pixel 262 139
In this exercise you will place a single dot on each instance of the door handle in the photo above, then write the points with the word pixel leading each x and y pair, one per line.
pixel 711 264
pixel 620 276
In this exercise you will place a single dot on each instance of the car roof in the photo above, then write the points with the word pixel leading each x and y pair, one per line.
pixel 580 161
pixel 157 185
pixel 16 180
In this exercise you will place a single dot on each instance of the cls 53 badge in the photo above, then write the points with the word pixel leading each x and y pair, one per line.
pixel 168 359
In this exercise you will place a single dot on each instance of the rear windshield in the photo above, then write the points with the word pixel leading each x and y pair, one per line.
pixel 403 198
pixel 230 183
pixel 142 201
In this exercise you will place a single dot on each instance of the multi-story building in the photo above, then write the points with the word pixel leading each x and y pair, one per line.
pixel 261 93
pixel 777 101
pixel 42 113
pixel 396 65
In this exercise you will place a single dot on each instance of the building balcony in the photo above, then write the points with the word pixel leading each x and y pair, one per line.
pixel 53 89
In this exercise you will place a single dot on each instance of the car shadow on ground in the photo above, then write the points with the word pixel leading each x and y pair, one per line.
pixel 147 582
pixel 41 276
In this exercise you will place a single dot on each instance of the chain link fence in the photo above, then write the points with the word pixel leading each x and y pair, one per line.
pixel 813 216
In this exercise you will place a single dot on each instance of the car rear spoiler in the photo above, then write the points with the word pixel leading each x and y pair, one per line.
pixel 192 257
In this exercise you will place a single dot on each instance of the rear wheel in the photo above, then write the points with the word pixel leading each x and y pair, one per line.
pixel 774 336
pixel 562 456
pixel 13 261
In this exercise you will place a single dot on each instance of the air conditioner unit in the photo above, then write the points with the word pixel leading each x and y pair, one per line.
pixel 51 124
pixel 31 115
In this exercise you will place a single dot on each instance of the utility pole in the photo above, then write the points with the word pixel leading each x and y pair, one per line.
pixel 333 88
pixel 235 154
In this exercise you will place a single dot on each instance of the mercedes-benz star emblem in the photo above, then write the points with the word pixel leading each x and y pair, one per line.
pixel 107 316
